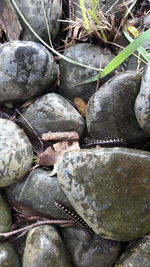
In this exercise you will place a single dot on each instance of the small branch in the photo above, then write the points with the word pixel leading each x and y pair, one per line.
pixel 27 228
pixel 62 136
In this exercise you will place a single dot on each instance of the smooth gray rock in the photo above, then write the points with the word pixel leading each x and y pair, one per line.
pixel 34 14
pixel 5 216
pixel 110 111
pixel 98 252
pixel 39 190
pixel 15 153
pixel 71 74
pixel 8 256
pixel 109 188
pixel 142 103
pixel 27 70
pixel 45 248
pixel 137 254
pixel 55 114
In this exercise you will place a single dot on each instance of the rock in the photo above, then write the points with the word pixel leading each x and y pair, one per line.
pixel 5 218
pixel 98 252
pixel 109 188
pixel 146 21
pixel 26 72
pixel 110 111
pixel 34 14
pixel 55 113
pixel 142 103
pixel 45 248
pixel 19 245
pixel 71 74
pixel 39 190
pixel 137 254
pixel 132 62
pixel 8 256
pixel 15 153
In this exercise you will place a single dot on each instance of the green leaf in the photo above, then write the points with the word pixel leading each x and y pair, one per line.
pixel 123 55
pixel 141 49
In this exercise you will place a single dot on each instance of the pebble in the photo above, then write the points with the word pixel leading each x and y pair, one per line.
pixel 44 247
pixel 55 114
pixel 15 153
pixel 142 103
pixel 110 111
pixel 39 190
pixel 26 72
pixel 5 218
pixel 8 256
pixel 109 188
pixel 71 74
pixel 137 254
pixel 34 14
pixel 97 252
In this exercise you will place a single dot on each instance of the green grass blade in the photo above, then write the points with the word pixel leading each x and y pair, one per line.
pixel 46 22
pixel 141 49
pixel 83 9
pixel 123 55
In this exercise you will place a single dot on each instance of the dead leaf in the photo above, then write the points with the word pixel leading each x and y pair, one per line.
pixel 66 146
pixel 80 105
pixel 63 136
pixel 48 157
pixel 51 155
pixel 61 147
pixel 26 210
pixel 9 21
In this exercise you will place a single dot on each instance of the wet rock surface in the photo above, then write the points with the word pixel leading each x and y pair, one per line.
pixel 40 191
pixel 136 255
pixel 8 256
pixel 110 111
pixel 97 252
pixel 109 188
pixel 71 74
pixel 15 153
pixel 142 103
pixel 44 247
pixel 5 215
pixel 55 113
pixel 26 72
pixel 34 14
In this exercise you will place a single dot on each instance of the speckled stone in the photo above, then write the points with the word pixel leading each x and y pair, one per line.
pixel 8 256
pixel 71 74
pixel 109 188
pixel 110 111
pixel 34 14
pixel 44 247
pixel 15 153
pixel 142 103
pixel 27 70
pixel 98 252
pixel 5 216
pixel 137 254
pixel 55 114
pixel 39 191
